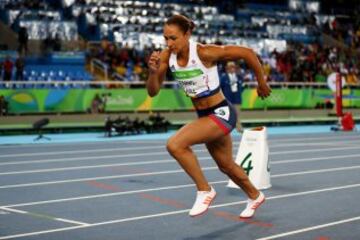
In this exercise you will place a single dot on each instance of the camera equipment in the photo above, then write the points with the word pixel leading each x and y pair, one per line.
pixel 38 126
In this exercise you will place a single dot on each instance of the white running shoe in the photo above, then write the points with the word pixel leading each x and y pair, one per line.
pixel 252 205
pixel 202 202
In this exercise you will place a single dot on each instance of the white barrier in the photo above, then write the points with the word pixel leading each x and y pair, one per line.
pixel 253 157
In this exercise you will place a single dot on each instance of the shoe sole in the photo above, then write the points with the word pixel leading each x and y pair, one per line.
pixel 199 214
pixel 254 211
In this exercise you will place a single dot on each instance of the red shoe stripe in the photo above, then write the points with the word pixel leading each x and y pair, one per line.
pixel 205 209
pixel 257 204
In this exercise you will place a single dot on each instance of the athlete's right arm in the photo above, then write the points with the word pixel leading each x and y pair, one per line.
pixel 158 65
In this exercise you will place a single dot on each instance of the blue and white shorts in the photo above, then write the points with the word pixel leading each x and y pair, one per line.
pixel 223 114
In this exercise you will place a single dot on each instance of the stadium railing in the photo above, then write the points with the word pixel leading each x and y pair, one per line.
pixel 101 67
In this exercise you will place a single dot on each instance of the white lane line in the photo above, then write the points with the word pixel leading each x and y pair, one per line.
pixel 174 212
pixel 314 159
pixel 13 210
pixel 161 162
pixel 99 178
pixel 141 175
pixel 281 235
pixel 8 209
pixel 47 153
pixel 71 221
pixel 317 171
pixel 288 138
pixel 95 166
pixel 110 194
pixel 160 153
pixel 313 150
pixel 318 139
pixel 80 151
pixel 173 187
pixel 88 158
pixel 37 144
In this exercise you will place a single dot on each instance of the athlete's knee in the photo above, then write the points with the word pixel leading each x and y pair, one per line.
pixel 174 147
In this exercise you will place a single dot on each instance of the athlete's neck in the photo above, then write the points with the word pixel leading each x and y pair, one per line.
pixel 183 55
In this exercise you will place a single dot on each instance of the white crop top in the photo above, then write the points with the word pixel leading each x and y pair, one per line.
pixel 196 79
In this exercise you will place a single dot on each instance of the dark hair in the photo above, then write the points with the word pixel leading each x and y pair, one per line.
pixel 184 23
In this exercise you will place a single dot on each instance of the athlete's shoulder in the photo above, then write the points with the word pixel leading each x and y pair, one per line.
pixel 208 48
pixel 208 52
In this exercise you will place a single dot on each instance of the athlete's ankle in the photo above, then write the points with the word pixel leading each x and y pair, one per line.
pixel 204 188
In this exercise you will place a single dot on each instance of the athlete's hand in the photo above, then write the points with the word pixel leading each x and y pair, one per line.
pixel 154 62
pixel 263 90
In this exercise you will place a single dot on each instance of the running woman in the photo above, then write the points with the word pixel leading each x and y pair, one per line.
pixel 194 66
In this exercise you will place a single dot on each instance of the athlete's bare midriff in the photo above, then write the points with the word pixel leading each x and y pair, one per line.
pixel 208 102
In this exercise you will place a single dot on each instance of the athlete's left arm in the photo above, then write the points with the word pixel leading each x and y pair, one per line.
pixel 214 53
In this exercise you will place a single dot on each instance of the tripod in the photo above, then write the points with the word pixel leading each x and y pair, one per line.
pixel 38 125
pixel 41 136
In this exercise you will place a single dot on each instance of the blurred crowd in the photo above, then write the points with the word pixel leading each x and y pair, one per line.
pixel 346 30
pixel 299 63
pixel 311 63
pixel 124 63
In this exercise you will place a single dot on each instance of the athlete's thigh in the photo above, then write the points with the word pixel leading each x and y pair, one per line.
pixel 221 149
pixel 201 130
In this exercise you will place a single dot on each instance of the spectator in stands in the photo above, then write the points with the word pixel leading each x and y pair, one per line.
pixel 23 39
pixel 194 66
pixel 121 69
pixel 351 78
pixel 111 56
pixel 3 106
pixel 124 55
pixel 320 76
pixel 46 46
pixel 102 50
pixel 8 68
pixel 248 76
pixel 138 70
pixel 231 85
pixel 20 65
pixel 57 43
pixel 97 105
pixel 267 70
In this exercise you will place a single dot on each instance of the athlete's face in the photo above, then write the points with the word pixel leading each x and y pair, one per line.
pixel 175 39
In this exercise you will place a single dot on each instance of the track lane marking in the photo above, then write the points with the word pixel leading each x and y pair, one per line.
pixel 120 141
pixel 164 161
pixel 172 187
pixel 162 153
pixel 145 174
pixel 43 216
pixel 131 219
pixel 49 153
pixel 302 230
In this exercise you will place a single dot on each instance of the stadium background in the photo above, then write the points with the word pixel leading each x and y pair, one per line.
pixel 78 62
